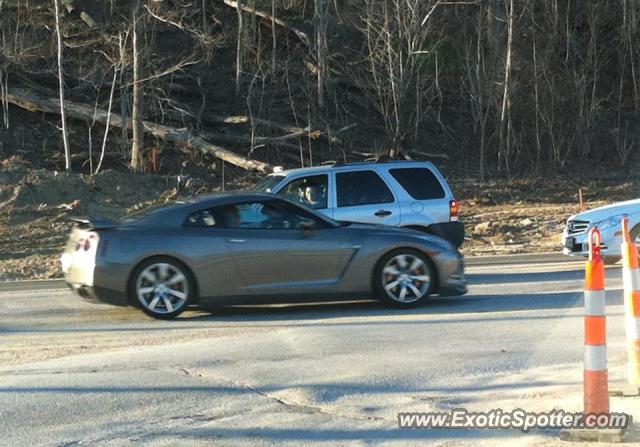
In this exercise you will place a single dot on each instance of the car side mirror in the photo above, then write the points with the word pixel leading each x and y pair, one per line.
pixel 307 225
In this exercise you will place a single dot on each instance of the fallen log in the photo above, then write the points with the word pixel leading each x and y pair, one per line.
pixel 182 138
pixel 304 38
pixel 298 131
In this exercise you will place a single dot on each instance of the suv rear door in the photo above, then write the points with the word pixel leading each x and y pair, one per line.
pixel 364 196
pixel 424 193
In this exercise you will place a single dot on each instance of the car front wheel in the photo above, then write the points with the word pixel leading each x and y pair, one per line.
pixel 404 278
pixel 162 287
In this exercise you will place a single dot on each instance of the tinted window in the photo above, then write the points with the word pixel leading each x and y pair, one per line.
pixel 309 191
pixel 361 188
pixel 272 214
pixel 420 183
pixel 204 218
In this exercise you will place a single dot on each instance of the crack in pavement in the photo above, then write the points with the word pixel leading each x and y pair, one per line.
pixel 298 407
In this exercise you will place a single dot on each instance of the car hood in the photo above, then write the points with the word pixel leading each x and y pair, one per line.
pixel 598 214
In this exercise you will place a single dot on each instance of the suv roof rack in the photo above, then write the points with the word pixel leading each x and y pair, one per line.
pixel 370 160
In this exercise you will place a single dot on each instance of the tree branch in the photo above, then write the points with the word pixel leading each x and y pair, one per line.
pixel 182 137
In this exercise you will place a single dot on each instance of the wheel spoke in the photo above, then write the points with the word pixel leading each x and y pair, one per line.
pixel 149 276
pixel 417 262
pixel 392 285
pixel 390 270
pixel 167 303
pixel 145 290
pixel 163 269
pixel 402 261
pixel 177 294
pixel 423 278
pixel 403 293
pixel 177 277
pixel 415 290
pixel 154 302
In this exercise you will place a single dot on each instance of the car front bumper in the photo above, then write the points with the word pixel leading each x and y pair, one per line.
pixel 451 271
pixel 578 244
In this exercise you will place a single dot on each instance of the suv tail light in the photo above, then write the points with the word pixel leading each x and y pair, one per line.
pixel 454 210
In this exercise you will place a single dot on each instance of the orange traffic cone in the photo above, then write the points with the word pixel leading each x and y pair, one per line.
pixel 596 394
pixel 596 380
pixel 631 282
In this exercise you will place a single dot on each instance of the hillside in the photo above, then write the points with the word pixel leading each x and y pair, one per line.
pixel 519 103
pixel 492 88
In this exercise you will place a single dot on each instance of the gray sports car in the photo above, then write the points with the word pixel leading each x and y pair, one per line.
pixel 245 247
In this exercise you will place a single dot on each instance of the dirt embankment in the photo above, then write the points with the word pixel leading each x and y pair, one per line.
pixel 35 206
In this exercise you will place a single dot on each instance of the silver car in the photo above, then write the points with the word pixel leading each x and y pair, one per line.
pixel 246 247
pixel 405 193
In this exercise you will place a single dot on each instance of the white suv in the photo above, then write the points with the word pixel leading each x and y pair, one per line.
pixel 607 219
pixel 402 193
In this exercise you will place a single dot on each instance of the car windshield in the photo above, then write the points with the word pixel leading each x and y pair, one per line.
pixel 268 183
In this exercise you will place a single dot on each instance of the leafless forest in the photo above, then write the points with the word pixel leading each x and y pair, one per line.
pixel 497 88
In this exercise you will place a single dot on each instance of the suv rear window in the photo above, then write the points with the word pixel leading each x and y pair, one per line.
pixel 420 183
pixel 361 188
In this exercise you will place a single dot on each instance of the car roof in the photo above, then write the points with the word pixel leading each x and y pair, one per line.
pixel 346 166
pixel 177 209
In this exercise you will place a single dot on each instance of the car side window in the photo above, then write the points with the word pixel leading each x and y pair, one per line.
pixel 310 191
pixel 203 219
pixel 361 188
pixel 420 183
pixel 268 215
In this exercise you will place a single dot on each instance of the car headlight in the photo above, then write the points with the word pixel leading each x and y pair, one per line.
pixel 610 222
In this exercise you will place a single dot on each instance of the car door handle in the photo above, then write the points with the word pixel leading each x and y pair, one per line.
pixel 382 213
pixel 238 241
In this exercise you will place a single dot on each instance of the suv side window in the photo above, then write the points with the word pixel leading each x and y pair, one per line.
pixel 310 191
pixel 420 183
pixel 361 188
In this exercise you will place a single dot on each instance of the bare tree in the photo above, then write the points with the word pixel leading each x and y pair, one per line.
pixel 108 120
pixel 479 86
pixel 399 48
pixel 239 45
pixel 503 138
pixel 320 17
pixel 63 115
pixel 136 113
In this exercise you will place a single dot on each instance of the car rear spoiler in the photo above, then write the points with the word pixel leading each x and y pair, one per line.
pixel 93 223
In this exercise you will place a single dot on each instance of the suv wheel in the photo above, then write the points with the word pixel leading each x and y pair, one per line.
pixel 403 278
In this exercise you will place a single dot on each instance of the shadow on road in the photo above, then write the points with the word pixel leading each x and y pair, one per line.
pixel 519 277
pixel 372 312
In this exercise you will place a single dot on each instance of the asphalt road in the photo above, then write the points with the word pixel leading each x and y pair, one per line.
pixel 75 373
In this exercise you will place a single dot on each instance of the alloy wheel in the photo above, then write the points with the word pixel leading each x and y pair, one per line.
pixel 406 278
pixel 162 288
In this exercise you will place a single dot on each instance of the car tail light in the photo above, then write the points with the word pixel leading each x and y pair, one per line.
pixel 91 241
pixel 454 210
pixel 88 243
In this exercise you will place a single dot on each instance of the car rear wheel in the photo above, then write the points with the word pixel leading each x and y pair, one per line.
pixel 162 287
pixel 404 278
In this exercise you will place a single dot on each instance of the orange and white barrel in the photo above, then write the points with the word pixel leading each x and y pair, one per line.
pixel 631 283
pixel 596 386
